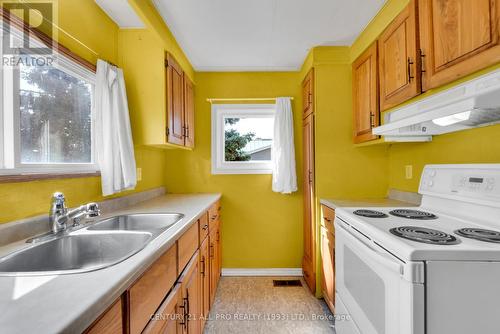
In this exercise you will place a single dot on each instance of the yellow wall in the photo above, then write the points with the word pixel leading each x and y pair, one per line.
pixel 261 229
pixel 84 26
pixel 470 146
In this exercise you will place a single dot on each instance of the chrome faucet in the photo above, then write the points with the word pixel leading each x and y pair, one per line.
pixel 59 215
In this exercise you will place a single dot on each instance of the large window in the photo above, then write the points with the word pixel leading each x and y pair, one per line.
pixel 242 136
pixel 47 116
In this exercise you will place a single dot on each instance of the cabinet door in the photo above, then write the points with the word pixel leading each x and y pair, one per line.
pixel 175 102
pixel 146 295
pixel 214 259
pixel 111 322
pixel 205 281
pixel 308 94
pixel 328 265
pixel 309 230
pixel 188 112
pixel 365 95
pixel 168 319
pixel 457 38
pixel 190 280
pixel 399 59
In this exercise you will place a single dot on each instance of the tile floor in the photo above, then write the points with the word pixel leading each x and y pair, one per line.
pixel 253 305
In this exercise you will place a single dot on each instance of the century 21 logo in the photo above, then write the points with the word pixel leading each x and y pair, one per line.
pixel 42 10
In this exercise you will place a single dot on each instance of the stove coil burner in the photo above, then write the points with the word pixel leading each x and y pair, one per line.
pixel 425 235
pixel 370 214
pixel 413 214
pixel 479 234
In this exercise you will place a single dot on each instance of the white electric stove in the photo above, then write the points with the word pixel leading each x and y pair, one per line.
pixel 434 269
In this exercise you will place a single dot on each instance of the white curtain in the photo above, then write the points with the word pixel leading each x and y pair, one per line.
pixel 115 149
pixel 283 149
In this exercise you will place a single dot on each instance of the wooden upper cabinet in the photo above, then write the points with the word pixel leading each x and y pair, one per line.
pixel 175 102
pixel 188 112
pixel 399 59
pixel 365 95
pixel 457 38
pixel 308 94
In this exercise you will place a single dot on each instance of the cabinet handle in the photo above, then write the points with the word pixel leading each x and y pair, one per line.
pixel 203 266
pixel 218 237
pixel 372 120
pixel 327 219
pixel 310 176
pixel 184 307
pixel 187 131
pixel 410 63
pixel 211 251
pixel 204 227
pixel 213 217
pixel 422 64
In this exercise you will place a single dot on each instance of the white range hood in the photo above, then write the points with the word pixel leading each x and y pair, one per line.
pixel 469 105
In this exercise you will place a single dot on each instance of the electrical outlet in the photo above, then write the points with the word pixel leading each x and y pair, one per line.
pixel 139 174
pixel 409 172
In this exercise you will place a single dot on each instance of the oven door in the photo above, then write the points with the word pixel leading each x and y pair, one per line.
pixel 370 282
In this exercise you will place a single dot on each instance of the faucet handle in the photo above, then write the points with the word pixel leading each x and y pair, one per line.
pixel 93 210
pixel 58 200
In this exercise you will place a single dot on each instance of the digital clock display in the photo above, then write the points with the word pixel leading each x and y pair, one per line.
pixel 476 180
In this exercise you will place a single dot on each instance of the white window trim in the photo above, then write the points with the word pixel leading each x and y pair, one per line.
pixel 221 111
pixel 10 149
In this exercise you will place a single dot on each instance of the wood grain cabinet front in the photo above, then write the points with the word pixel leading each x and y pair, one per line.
pixel 399 59
pixel 308 94
pixel 365 95
pixel 457 38
pixel 169 318
pixel 111 322
pixel 191 293
pixel 146 295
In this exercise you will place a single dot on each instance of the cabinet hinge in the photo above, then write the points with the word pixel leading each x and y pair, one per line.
pixel 167 132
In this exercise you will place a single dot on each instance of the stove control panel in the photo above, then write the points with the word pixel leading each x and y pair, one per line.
pixel 481 182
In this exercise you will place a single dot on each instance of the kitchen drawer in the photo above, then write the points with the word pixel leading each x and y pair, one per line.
pixel 214 213
pixel 146 295
pixel 187 245
pixel 203 227
pixel 327 218
pixel 169 316
pixel 111 322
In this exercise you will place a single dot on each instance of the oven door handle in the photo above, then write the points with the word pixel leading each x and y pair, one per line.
pixel 384 259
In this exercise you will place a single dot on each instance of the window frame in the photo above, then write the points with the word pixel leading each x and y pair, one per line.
pixel 10 143
pixel 219 113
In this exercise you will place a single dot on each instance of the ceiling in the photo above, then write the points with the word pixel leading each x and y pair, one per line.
pixel 122 13
pixel 262 35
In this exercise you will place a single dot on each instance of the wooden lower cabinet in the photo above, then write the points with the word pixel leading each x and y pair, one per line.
pixel 190 282
pixel 175 294
pixel 214 260
pixel 204 280
pixel 328 256
pixel 328 264
pixel 169 318
pixel 111 322
pixel 146 295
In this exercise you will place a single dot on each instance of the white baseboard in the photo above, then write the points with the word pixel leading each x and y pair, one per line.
pixel 262 272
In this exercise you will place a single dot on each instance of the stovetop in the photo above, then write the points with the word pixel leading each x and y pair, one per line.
pixel 451 238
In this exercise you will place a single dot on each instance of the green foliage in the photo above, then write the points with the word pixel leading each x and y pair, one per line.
pixel 235 142
pixel 55 116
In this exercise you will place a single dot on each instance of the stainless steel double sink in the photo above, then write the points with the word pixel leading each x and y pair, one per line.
pixel 97 246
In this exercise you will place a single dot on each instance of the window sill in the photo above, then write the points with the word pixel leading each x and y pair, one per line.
pixel 27 177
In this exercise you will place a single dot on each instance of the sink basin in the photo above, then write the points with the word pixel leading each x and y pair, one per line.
pixel 155 223
pixel 74 253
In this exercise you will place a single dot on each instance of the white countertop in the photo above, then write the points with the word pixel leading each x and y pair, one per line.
pixel 364 203
pixel 70 303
